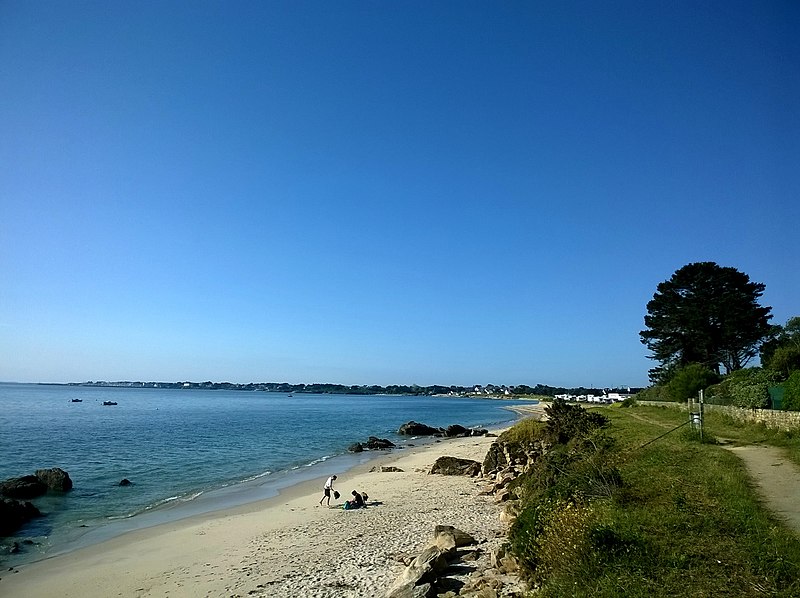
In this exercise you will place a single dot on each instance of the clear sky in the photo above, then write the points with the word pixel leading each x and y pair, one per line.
pixel 383 192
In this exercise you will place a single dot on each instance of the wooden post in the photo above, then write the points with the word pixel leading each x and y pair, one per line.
pixel 701 416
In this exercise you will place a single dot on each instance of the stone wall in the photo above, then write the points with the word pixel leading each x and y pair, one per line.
pixel 779 420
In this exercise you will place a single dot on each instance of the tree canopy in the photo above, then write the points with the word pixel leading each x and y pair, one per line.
pixel 706 314
pixel 782 351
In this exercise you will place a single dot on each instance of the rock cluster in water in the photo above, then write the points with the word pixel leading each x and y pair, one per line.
pixel 372 444
pixel 413 428
pixel 15 510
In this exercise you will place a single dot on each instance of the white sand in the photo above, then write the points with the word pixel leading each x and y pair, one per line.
pixel 285 546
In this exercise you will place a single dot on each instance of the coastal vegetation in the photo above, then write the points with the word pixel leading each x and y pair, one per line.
pixel 705 314
pixel 627 501
pixel 630 500
pixel 706 319
pixel 773 384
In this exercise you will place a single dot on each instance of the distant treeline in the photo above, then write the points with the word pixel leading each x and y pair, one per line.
pixel 395 389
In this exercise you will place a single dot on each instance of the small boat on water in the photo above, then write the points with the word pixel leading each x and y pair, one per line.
pixel 109 402
pixel 77 400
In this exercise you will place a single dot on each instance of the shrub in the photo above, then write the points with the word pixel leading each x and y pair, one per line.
pixel 791 392
pixel 653 393
pixel 565 422
pixel 525 431
pixel 749 387
pixel 746 388
pixel 689 380
pixel 552 532
pixel 785 360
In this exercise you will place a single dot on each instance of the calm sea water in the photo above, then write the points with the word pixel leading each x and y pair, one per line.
pixel 190 451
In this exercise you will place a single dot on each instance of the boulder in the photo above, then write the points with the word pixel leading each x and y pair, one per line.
pixel 504 454
pixel 422 571
pixel 448 537
pixel 389 469
pixel 374 443
pixel 55 478
pixel 26 487
pixel 413 428
pixel 456 466
pixel 356 447
pixel 125 482
pixel 410 591
pixel 14 514
pixel 455 430
pixel 479 432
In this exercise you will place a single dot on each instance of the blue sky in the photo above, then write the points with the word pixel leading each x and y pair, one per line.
pixel 383 192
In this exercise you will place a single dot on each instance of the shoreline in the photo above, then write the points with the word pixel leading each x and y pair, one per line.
pixel 65 539
pixel 284 545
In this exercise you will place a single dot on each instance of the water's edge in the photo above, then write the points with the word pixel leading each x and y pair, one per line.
pixel 216 500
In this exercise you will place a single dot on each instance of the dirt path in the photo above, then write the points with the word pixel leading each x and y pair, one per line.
pixel 777 480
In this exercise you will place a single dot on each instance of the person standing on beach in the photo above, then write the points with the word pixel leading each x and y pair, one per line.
pixel 327 489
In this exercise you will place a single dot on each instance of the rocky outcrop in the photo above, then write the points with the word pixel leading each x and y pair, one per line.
pixel 31 486
pixel 25 487
pixel 14 514
pixel 378 444
pixel 55 478
pixel 504 463
pixel 125 482
pixel 455 431
pixel 458 431
pixel 456 466
pixel 433 572
pixel 373 443
pixel 413 428
pixel 503 454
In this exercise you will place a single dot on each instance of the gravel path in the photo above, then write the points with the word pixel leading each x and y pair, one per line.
pixel 776 478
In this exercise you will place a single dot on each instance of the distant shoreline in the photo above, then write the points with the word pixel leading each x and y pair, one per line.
pixel 490 391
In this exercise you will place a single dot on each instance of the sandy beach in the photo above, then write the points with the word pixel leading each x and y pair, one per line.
pixel 284 546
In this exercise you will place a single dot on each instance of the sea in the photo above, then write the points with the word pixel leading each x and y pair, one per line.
pixel 190 451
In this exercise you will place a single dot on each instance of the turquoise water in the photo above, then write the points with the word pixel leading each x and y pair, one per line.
pixel 190 451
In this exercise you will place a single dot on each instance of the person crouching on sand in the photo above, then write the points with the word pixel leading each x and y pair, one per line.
pixel 359 501
pixel 327 489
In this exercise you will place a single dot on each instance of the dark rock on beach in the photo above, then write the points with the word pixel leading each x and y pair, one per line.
pixel 456 466
pixel 375 444
pixel 413 428
pixel 14 514
pixel 456 430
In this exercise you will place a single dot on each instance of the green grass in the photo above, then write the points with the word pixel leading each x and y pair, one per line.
pixel 685 522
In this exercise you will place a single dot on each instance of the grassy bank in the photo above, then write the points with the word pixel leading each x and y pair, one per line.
pixel 607 516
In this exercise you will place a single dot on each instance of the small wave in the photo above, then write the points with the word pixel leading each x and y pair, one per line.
pixel 164 501
pixel 257 476
pixel 190 496
pixel 317 461
pixel 157 504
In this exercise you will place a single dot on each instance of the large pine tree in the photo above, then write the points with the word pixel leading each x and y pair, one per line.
pixel 707 314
